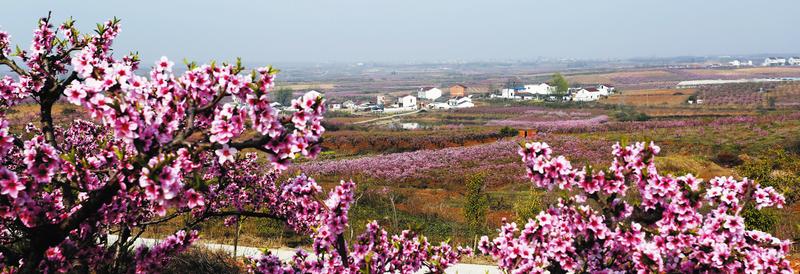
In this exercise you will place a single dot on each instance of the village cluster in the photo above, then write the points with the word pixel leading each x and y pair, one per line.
pixel 426 98
pixel 546 92
pixel 768 62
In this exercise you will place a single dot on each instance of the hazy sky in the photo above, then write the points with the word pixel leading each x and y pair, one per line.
pixel 428 30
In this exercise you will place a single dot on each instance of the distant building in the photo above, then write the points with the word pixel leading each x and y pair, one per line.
pixel 335 106
pixel 429 93
pixel 380 100
pixel 540 89
pixel 460 102
pixel 408 102
pixel 349 104
pixel 774 61
pixel 458 90
pixel 586 94
pixel 794 61
pixel 509 93
pixel 737 63
pixel 606 89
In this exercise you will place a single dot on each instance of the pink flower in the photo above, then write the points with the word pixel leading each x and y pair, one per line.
pixel 164 64
pixel 75 94
pixel 226 154
pixel 10 184
pixel 194 199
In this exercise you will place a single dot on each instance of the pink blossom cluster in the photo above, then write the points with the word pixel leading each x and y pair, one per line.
pixel 600 230
pixel 151 260
pixel 374 251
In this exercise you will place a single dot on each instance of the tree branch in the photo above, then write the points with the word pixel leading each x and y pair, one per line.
pixel 13 65
pixel 247 214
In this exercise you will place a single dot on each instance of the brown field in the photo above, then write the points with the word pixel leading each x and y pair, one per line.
pixel 652 97
pixel 317 86
pixel 690 112
pixel 610 77
pixel 787 95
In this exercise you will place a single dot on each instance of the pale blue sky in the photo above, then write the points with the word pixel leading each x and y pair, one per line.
pixel 428 30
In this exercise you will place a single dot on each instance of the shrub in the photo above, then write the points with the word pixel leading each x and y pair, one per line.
pixel 629 114
pixel 727 159
pixel 778 169
pixel 528 207
pixel 201 260
pixel 476 203
pixel 508 132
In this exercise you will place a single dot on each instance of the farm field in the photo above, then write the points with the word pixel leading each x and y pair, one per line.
pixel 657 97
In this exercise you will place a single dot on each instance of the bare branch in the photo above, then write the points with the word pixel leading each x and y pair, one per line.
pixel 13 66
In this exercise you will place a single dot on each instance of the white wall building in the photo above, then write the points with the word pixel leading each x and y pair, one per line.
pixel 542 89
pixel 794 61
pixel 429 93
pixel 605 89
pixel 460 102
pixel 586 94
pixel 408 102
pixel 774 61
pixel 508 93
pixel 737 63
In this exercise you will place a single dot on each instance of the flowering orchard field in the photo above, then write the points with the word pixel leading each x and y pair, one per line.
pixel 207 144
pixel 498 158
pixel 602 123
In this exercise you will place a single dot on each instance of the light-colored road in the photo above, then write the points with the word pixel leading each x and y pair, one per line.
pixel 286 254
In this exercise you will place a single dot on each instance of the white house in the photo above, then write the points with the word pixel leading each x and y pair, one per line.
pixel 794 61
pixel 737 63
pixel 439 105
pixel 408 102
pixel 542 89
pixel 381 100
pixel 605 89
pixel 460 102
pixel 429 93
pixel 349 104
pixel 335 106
pixel 586 94
pixel 774 61
pixel 507 93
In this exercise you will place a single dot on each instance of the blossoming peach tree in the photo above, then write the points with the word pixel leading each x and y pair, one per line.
pixel 157 148
pixel 167 146
pixel 671 225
